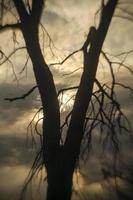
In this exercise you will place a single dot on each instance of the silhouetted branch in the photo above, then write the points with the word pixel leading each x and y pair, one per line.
pixel 36 12
pixel 25 65
pixel 123 65
pixel 124 53
pixel 33 128
pixel 111 71
pixel 127 12
pixel 51 43
pixel 66 58
pixel 67 74
pixel 85 90
pixel 20 6
pixel 124 86
pixel 37 166
pixel 23 96
pixel 66 121
pixel 130 19
pixel 11 54
pixel 66 89
pixel 7 8
pixel 10 26
pixel 89 39
pixel 7 59
pixel 104 114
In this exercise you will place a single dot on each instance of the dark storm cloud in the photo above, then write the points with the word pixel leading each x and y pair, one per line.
pixel 14 151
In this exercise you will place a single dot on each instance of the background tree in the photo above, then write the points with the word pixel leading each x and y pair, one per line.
pixel 59 155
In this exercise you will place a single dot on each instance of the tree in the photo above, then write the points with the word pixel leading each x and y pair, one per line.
pixel 60 158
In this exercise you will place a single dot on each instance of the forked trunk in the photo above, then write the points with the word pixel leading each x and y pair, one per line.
pixel 60 162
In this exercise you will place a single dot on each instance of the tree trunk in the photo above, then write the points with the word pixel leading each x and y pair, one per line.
pixel 60 176
pixel 84 93
pixel 59 184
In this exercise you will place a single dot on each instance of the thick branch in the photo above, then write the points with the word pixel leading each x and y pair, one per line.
pixel 46 86
pixel 10 26
pixel 90 38
pixel 23 14
pixel 84 94
pixel 37 6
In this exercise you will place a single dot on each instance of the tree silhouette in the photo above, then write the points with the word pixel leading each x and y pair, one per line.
pixel 95 104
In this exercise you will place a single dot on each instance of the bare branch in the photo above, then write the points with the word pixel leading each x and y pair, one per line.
pixel 90 38
pixel 125 11
pixel 25 65
pixel 21 10
pixel 66 121
pixel 66 58
pixel 124 86
pixel 66 89
pixel 11 54
pixel 66 74
pixel 84 93
pixel 113 104
pixel 7 59
pixel 30 126
pixel 124 53
pixel 10 26
pixel 51 43
pixel 124 17
pixel 23 96
pixel 120 62
pixel 111 71
pixel 36 12
pixel 7 8
pixel 123 65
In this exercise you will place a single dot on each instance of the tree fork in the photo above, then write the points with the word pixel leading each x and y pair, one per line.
pixel 60 161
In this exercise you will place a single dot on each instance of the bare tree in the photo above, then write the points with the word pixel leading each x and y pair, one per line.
pixel 88 112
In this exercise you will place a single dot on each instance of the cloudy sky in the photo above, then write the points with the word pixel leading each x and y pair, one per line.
pixel 67 22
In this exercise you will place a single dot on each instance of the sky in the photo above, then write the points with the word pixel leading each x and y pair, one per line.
pixel 67 22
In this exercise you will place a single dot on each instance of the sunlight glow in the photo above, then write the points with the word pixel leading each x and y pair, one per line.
pixel 66 102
